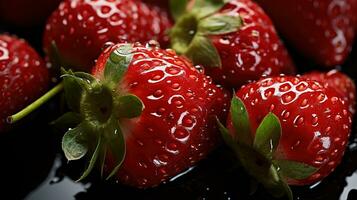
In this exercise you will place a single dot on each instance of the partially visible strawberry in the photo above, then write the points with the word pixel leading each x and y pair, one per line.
pixel 26 13
pixel 288 130
pixel 145 111
pixel 340 82
pixel 78 30
pixel 23 76
pixel 321 30
pixel 235 40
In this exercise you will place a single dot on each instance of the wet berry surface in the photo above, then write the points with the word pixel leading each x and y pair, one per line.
pixel 33 166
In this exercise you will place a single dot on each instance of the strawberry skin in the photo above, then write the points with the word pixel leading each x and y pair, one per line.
pixel 80 29
pixel 315 124
pixel 23 76
pixel 343 85
pixel 252 50
pixel 321 30
pixel 177 126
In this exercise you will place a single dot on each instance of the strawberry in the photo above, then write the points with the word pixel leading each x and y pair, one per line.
pixel 235 40
pixel 321 30
pixel 77 31
pixel 145 112
pixel 288 130
pixel 340 82
pixel 25 13
pixel 23 76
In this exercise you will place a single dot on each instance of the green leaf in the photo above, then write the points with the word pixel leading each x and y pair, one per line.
pixel 268 135
pixel 129 106
pixel 202 52
pixel 73 89
pixel 102 157
pixel 118 63
pixel 203 8
pixel 93 159
pixel 295 170
pixel 73 145
pixel 178 8
pixel 287 189
pixel 240 120
pixel 116 143
pixel 225 134
pixel 219 24
pixel 66 121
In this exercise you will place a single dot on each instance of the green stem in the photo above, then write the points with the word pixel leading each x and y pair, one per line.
pixel 33 106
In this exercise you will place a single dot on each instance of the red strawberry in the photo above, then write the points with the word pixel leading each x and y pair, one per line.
pixel 288 129
pixel 147 105
pixel 26 13
pixel 23 76
pixel 321 30
pixel 338 81
pixel 235 41
pixel 79 29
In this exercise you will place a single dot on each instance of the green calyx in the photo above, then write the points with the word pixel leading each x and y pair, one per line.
pixel 98 107
pixel 191 34
pixel 257 155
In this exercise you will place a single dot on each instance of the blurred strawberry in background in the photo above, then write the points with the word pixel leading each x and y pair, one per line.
pixel 322 31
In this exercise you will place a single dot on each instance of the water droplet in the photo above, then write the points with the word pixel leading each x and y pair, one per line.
pixel 315 176
pixel 314 120
pixel 143 181
pixel 284 87
pixel 304 103
pixel 302 86
pixel 200 69
pixel 298 120
pixel 334 100
pixel 321 97
pixel 172 148
pixel 285 114
pixel 161 111
pixel 153 44
pixel 106 46
pixel 271 107
pixel 143 164
pixel 140 143
pixel 175 86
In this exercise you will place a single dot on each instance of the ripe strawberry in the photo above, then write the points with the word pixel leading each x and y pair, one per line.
pixel 288 130
pixel 27 13
pixel 145 111
pixel 235 41
pixel 343 85
pixel 77 31
pixel 321 30
pixel 23 76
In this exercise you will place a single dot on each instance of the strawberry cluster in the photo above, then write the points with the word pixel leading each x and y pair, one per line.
pixel 147 85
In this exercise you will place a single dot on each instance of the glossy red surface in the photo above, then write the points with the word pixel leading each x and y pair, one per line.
pixel 177 127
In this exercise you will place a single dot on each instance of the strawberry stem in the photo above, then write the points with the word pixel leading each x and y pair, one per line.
pixel 33 106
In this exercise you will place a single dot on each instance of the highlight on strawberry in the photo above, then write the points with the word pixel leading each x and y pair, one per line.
pixel 234 40
pixel 287 131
